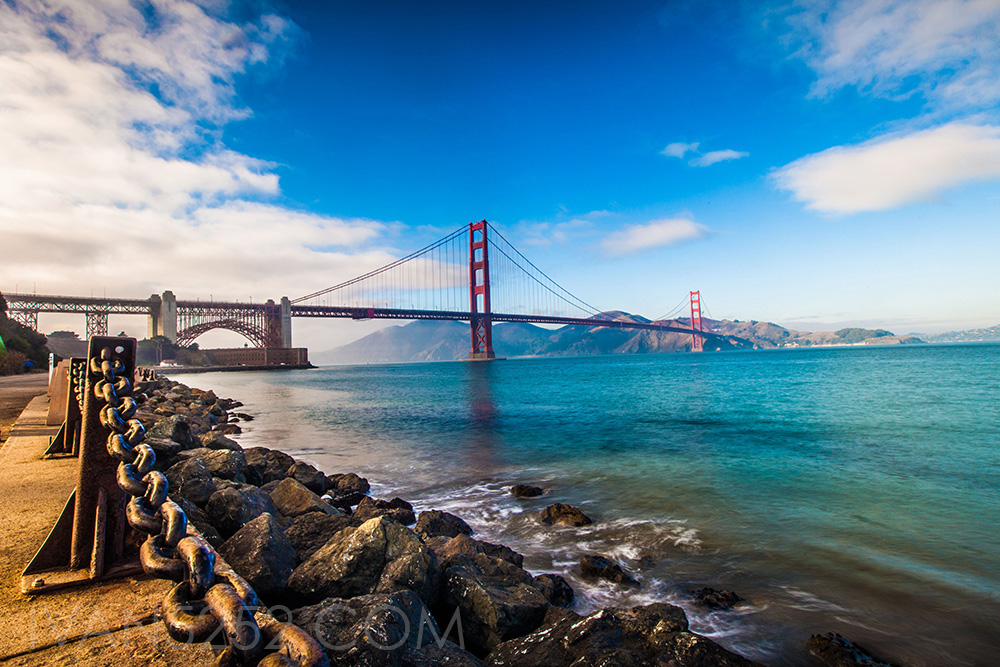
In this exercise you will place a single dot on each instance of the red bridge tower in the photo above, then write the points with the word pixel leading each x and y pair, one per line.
pixel 697 342
pixel 479 284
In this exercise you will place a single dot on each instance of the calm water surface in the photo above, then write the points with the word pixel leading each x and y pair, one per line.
pixel 852 490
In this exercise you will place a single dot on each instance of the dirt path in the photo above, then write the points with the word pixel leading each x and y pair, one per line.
pixel 16 391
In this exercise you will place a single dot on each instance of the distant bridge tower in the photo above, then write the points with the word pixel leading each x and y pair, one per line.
pixel 697 341
pixel 479 284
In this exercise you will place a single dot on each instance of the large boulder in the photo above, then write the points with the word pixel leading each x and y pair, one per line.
pixel 200 520
pixel 266 465
pixel 599 567
pixel 293 499
pixel 216 440
pixel 563 515
pixel 656 634
pixel 232 507
pixel 396 509
pixel 347 490
pixel 555 589
pixel 437 522
pixel 223 463
pixel 448 550
pixel 379 556
pixel 191 479
pixel 381 630
pixel 262 554
pixel 228 429
pixel 176 428
pixel 307 475
pixel 311 531
pixel 497 601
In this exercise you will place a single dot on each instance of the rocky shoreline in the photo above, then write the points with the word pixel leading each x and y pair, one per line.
pixel 377 584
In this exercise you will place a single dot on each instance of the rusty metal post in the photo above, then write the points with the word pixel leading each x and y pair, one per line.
pixel 88 540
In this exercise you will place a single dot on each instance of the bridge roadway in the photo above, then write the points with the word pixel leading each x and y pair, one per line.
pixel 359 313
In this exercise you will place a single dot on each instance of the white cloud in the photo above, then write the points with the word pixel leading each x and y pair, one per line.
pixel 947 49
pixel 679 149
pixel 892 171
pixel 654 234
pixel 712 157
pixel 112 172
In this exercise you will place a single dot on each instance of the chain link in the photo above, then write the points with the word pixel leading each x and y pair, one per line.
pixel 209 603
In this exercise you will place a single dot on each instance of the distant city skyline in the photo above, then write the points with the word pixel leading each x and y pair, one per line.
pixel 834 163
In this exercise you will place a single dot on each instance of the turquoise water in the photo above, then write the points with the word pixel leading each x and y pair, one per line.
pixel 852 490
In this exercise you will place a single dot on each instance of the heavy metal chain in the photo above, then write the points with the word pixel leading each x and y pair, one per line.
pixel 210 603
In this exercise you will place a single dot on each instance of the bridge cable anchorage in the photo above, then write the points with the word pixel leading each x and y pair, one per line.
pixel 211 603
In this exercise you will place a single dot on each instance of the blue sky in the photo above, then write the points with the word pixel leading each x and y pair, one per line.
pixel 809 163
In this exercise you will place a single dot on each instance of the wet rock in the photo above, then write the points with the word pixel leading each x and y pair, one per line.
pixel 164 448
pixel 526 491
pixel 437 522
pixel 713 599
pixel 563 515
pixel 390 630
pixel 293 499
pixel 448 550
pixel 192 480
pixel 347 490
pixel 228 429
pixel 307 476
pixel 311 531
pixel 216 440
pixel 655 634
pixel 200 520
pixel 379 556
pixel 599 567
pixel 497 601
pixel 223 463
pixel 176 428
pixel 245 417
pixel 266 465
pixel 396 509
pixel 555 589
pixel 262 554
pixel 835 650
pixel 231 508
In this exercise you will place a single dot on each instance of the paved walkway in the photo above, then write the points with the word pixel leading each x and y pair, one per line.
pixel 109 623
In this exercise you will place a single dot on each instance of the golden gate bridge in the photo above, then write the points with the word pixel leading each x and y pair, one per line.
pixel 473 274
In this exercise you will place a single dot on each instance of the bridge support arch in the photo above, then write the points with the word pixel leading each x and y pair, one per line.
pixel 480 322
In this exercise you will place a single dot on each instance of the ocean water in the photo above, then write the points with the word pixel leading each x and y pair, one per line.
pixel 853 490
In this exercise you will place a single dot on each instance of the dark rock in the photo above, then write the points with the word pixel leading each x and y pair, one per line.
pixel 381 630
pixel 164 447
pixel 835 650
pixel 307 476
pixel 448 550
pixel 223 463
pixel 436 522
pixel 293 499
pixel 216 440
pixel 176 428
pixel 311 531
pixel 228 429
pixel 262 554
pixel 655 634
pixel 231 508
pixel 199 519
pixel 526 491
pixel 396 509
pixel 266 465
pixel 245 417
pixel 599 567
pixel 379 556
pixel 563 515
pixel 713 599
pixel 271 486
pixel 496 600
pixel 347 490
pixel 555 589
pixel 191 479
